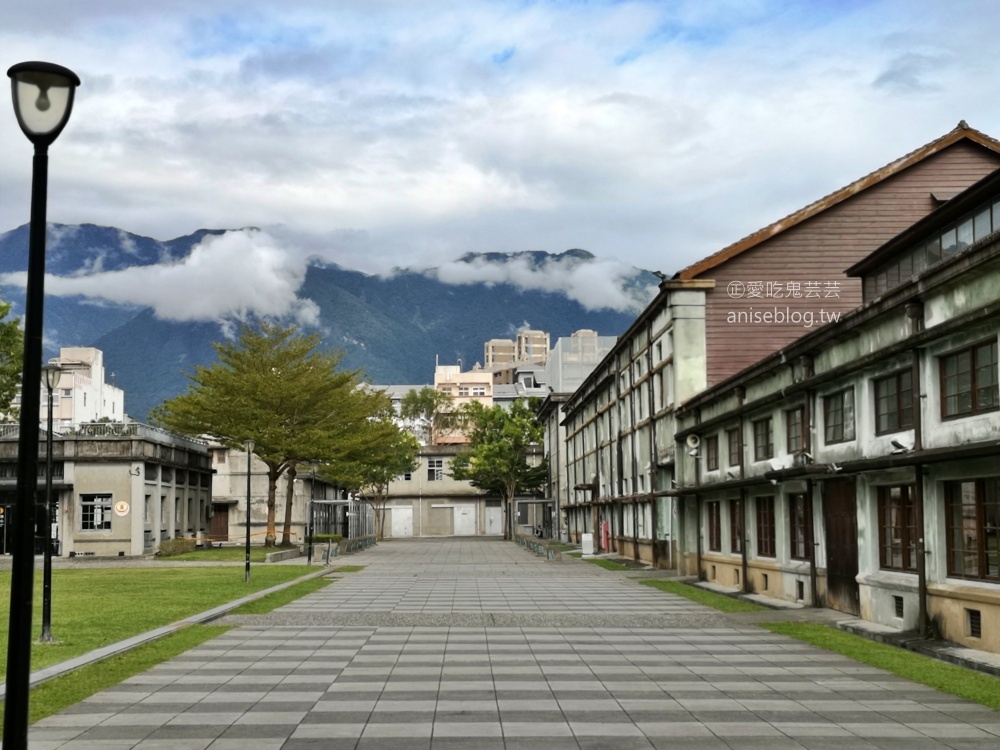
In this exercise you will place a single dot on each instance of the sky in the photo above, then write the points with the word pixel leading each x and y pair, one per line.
pixel 379 134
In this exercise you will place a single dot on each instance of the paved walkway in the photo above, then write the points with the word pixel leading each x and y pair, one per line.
pixel 479 645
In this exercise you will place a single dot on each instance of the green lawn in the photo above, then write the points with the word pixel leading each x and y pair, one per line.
pixel 348 568
pixel 701 596
pixel 949 678
pixel 98 606
pixel 279 598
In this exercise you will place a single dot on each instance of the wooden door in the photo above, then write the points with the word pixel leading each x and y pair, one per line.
pixel 840 513
pixel 220 523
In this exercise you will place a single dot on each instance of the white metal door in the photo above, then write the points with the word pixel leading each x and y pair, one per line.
pixel 465 520
pixel 494 520
pixel 402 522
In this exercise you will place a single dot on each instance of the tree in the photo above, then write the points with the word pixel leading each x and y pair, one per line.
pixel 392 453
pixel 11 357
pixel 432 410
pixel 498 460
pixel 275 386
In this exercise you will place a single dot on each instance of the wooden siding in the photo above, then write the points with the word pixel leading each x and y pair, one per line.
pixel 819 249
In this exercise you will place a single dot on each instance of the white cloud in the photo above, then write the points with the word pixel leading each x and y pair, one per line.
pixel 228 275
pixel 410 133
pixel 596 285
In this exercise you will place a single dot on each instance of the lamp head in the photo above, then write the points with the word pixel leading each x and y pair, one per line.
pixel 249 445
pixel 50 375
pixel 43 99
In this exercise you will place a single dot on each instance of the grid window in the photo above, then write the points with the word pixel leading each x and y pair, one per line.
pixel 897 530
pixel 735 448
pixel 838 416
pixel 714 527
pixel 712 453
pixel 793 430
pixel 763 439
pixel 765 527
pixel 972 525
pixel 800 526
pixel 435 469
pixel 95 512
pixel 894 402
pixel 736 526
pixel 969 381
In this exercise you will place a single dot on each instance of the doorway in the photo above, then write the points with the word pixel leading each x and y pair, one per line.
pixel 840 513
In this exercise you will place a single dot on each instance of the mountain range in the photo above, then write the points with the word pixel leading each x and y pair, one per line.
pixel 394 327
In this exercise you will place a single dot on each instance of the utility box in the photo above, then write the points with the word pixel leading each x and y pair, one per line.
pixel 587 543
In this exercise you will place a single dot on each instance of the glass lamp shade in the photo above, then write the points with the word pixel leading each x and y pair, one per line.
pixel 248 444
pixel 50 376
pixel 43 98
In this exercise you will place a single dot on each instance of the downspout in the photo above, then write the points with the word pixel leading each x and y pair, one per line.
pixel 654 474
pixel 697 501
pixel 743 538
pixel 807 422
pixel 915 312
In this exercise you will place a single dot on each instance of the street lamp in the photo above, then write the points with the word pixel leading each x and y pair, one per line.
pixel 248 444
pixel 50 375
pixel 43 100
pixel 311 527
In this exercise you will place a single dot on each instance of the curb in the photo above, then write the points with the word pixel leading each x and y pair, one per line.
pixel 120 647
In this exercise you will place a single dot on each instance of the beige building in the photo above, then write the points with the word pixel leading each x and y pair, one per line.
pixel 428 502
pixel 118 489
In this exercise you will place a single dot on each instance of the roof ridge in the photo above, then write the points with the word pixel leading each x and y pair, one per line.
pixel 960 131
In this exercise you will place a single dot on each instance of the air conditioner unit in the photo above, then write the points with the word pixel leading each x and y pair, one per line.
pixel 693 441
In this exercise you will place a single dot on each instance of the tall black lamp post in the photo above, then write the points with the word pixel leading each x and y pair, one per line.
pixel 311 527
pixel 50 375
pixel 43 100
pixel 248 444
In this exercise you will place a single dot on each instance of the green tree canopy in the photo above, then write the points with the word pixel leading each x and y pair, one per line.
pixel 11 357
pixel 391 453
pixel 433 412
pixel 275 386
pixel 502 451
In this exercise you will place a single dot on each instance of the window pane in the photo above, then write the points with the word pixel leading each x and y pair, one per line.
pixel 949 242
pixel 933 251
pixel 965 233
pixel 849 414
pixel 982 223
pixel 906 267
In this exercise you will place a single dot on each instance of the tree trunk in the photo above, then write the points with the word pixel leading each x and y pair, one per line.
pixel 272 491
pixel 286 531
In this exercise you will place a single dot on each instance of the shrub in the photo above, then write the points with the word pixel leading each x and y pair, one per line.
pixel 179 546
pixel 324 538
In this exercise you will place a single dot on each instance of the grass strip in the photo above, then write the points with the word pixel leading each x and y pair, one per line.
pixel 224 554
pixel 607 564
pixel 720 602
pixel 59 693
pixel 949 678
pixel 93 607
pixel 280 598
pixel 348 568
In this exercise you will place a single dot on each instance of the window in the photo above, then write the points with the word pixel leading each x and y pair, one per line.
pixel 714 527
pixel 763 439
pixel 712 453
pixel 735 449
pixel 800 526
pixel 765 527
pixel 735 526
pixel 838 416
pixel 463 390
pixel 793 430
pixel 479 390
pixel 96 512
pixel 407 476
pixel 435 469
pixel 972 525
pixel 969 381
pixel 894 402
pixel 897 532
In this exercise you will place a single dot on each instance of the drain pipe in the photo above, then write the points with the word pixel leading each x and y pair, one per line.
pixel 915 312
